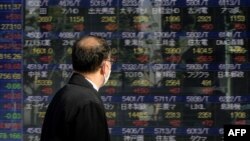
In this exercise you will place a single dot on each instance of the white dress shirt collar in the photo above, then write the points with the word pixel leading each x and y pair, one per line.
pixel 93 84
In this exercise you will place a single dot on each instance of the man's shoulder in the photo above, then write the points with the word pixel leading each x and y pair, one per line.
pixel 78 89
pixel 77 93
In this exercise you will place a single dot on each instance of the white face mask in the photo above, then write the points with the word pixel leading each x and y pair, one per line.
pixel 106 78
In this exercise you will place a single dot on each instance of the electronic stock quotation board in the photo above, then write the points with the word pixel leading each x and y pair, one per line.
pixel 181 67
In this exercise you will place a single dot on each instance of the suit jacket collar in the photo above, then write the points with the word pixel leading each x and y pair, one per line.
pixel 78 79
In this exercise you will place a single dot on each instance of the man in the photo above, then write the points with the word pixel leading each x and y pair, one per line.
pixel 76 112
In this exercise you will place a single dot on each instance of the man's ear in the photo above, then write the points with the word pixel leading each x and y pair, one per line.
pixel 103 68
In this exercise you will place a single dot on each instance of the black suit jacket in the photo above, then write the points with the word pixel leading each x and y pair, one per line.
pixel 76 113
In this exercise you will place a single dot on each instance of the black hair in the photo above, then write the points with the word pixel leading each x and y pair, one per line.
pixel 88 58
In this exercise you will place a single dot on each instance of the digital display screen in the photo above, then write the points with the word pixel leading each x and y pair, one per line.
pixel 181 67
pixel 11 48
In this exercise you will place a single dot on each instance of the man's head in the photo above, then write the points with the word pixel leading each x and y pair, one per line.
pixel 91 54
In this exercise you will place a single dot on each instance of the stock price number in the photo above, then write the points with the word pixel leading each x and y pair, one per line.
pixel 237 49
pixel 111 115
pixel 15 6
pixel 172 19
pixel 172 82
pixel 10 26
pixel 204 19
pixel 6 136
pixel 238 115
pixel 108 19
pixel 43 82
pixel 141 82
pixel 76 19
pixel 173 50
pixel 44 19
pixel 141 50
pixel 141 19
pixel 13 116
pixel 14 56
pixel 12 106
pixel 39 50
pixel 113 83
pixel 204 115
pixel 237 18
pixel 203 50
pixel 12 36
pixel 12 95
pixel 206 82
pixel 9 76
pixel 173 115
pixel 13 86
pixel 140 115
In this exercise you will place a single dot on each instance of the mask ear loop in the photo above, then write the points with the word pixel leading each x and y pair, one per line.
pixel 103 70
